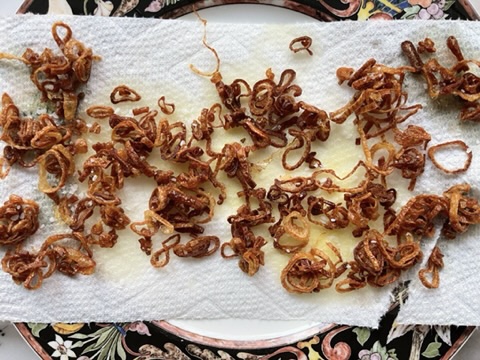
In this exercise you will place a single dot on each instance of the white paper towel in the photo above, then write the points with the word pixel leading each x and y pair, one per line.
pixel 152 57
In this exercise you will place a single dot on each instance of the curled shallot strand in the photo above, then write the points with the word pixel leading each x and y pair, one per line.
pixel 214 52
pixel 168 244
pixel 293 226
pixel 59 77
pixel 153 223
pixel 302 43
pixel 103 191
pixel 457 80
pixel 368 254
pixel 124 93
pixel 434 264
pixel 59 162
pixel 55 254
pixel 301 141
pixel 449 144
pixel 166 108
pixel 4 168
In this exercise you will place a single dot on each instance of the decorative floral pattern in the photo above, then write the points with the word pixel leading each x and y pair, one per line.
pixel 152 341
pixel 104 8
pixel 148 340
pixel 325 10
pixel 63 349
pixel 428 9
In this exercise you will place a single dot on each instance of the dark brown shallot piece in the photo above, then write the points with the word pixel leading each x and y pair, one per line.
pixel 302 43
pixel 326 213
pixel 426 45
pixel 198 247
pixel 123 93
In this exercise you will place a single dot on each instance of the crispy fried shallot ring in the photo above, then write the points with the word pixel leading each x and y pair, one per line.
pixel 123 93
pixel 294 227
pixel 100 112
pixel 451 144
pixel 57 161
pixel 166 108
pixel 301 43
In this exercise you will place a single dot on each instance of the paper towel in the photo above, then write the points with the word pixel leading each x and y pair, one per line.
pixel 152 56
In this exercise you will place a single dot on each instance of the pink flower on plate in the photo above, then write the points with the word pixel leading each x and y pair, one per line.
pixel 368 355
pixel 377 352
pixel 433 11
pixel 138 327
pixel 422 3
pixel 155 5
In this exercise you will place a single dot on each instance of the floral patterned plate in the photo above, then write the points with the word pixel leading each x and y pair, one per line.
pixel 326 10
pixel 164 340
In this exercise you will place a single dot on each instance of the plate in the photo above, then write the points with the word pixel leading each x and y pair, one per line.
pixel 167 340
pixel 242 339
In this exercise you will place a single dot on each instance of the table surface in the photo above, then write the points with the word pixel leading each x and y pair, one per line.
pixel 12 345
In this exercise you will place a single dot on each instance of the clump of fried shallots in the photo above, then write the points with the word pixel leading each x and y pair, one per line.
pixel 59 77
pixel 458 80
pixel 49 142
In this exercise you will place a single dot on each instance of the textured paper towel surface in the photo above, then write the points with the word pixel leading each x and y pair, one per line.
pixel 153 56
